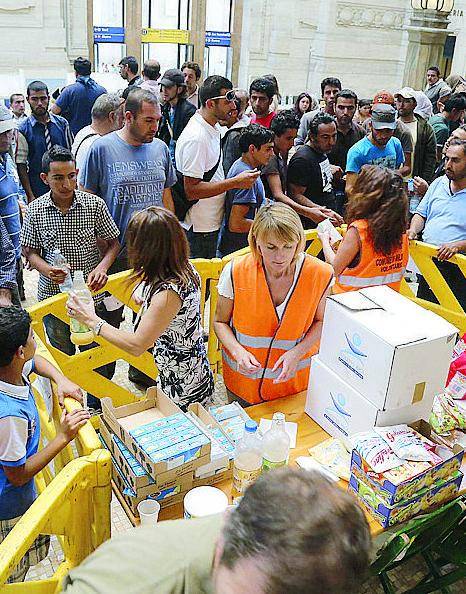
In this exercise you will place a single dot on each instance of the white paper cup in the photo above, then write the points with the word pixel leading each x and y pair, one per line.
pixel 204 501
pixel 148 511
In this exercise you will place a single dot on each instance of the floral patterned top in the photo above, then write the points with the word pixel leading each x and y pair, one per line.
pixel 180 354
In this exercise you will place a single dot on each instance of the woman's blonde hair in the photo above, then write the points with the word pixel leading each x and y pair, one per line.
pixel 277 221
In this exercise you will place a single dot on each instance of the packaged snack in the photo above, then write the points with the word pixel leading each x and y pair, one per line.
pixel 332 454
pixel 375 451
pixel 405 443
pixel 457 386
pixel 447 414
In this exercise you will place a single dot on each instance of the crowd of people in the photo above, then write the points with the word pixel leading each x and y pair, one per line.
pixel 171 169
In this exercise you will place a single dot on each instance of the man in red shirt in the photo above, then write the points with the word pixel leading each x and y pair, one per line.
pixel 261 94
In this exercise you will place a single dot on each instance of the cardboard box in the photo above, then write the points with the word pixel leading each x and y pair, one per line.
pixel 169 495
pixel 123 419
pixel 392 351
pixel 342 411
pixel 133 471
pixel 387 515
pixel 222 449
pixel 391 492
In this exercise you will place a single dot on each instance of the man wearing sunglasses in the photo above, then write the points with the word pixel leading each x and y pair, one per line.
pixel 198 160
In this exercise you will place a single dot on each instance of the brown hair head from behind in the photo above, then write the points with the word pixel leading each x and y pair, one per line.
pixel 379 197
pixel 158 250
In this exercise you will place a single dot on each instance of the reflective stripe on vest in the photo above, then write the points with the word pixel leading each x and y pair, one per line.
pixel 262 373
pixel 265 342
pixel 360 281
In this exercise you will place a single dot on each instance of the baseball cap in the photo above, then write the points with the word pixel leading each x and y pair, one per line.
pixel 383 116
pixel 407 93
pixel 383 97
pixel 7 121
pixel 172 77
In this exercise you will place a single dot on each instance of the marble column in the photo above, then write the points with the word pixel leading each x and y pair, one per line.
pixel 427 33
pixel 133 28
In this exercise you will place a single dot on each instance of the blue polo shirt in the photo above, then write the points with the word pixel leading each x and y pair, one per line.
pixel 34 133
pixel 76 101
pixel 444 212
pixel 19 440
pixel 9 196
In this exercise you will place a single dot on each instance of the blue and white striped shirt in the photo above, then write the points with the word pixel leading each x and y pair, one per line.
pixel 9 196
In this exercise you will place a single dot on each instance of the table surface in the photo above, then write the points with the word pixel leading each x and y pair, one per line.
pixel 309 435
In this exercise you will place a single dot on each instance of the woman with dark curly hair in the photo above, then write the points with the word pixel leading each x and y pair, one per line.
pixel 303 104
pixel 374 250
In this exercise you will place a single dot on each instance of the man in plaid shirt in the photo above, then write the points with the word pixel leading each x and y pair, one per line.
pixel 72 221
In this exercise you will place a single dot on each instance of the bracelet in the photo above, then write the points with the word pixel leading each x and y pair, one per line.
pixel 98 327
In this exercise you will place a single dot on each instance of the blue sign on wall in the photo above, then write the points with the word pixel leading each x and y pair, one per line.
pixel 218 38
pixel 109 34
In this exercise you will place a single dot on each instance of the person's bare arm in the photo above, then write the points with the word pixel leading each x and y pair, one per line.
pixel 275 186
pixel 405 169
pixel 97 278
pixel 197 189
pixel 163 308
pixel 348 249
pixel 56 109
pixel 167 200
pixel 238 223
pixel 417 225
pixel 245 360
pixel 317 213
pixel 56 275
pixel 24 179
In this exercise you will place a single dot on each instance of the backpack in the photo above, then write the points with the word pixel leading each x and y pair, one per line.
pixel 180 200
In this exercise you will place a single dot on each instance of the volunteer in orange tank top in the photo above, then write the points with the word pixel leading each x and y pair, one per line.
pixel 270 310
pixel 374 250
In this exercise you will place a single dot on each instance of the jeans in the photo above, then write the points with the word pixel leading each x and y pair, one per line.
pixel 203 245
pixel 454 278
pixel 59 336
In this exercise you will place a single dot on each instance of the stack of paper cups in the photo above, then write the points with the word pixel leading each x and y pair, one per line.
pixel 204 501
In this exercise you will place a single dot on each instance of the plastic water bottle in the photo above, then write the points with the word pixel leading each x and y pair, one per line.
pixel 276 444
pixel 59 261
pixel 80 333
pixel 248 460
pixel 413 197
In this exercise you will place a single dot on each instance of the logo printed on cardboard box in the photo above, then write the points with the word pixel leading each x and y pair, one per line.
pixel 353 356
pixel 336 414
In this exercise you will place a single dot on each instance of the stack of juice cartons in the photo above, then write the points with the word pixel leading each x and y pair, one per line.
pixel 381 361
pixel 157 449
pixel 400 471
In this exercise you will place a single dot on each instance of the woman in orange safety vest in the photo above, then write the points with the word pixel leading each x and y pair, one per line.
pixel 374 250
pixel 270 309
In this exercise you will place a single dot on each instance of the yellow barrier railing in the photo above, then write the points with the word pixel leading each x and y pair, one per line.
pixel 75 506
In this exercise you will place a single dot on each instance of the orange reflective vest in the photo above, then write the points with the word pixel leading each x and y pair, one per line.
pixel 258 329
pixel 373 268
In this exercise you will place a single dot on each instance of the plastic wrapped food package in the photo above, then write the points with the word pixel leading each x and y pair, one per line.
pixel 332 454
pixel 405 443
pixel 375 451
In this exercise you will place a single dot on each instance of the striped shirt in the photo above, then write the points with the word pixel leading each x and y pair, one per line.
pixel 7 260
pixel 9 196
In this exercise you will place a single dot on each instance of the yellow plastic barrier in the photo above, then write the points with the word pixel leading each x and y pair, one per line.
pixel 75 506
pixel 448 306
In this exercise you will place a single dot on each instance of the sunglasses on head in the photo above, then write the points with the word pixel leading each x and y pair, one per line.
pixel 229 96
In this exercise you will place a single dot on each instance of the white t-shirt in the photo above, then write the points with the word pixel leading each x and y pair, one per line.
pixel 197 151
pixel 83 145
pixel 225 286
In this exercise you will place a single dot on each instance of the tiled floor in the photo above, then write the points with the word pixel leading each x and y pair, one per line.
pixel 405 577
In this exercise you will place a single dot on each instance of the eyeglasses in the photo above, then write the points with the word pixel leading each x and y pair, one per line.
pixel 229 96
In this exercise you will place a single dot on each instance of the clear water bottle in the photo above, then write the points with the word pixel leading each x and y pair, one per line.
pixel 59 261
pixel 412 196
pixel 247 464
pixel 276 444
pixel 80 333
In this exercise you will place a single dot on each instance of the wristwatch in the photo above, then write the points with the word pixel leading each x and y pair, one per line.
pixel 98 327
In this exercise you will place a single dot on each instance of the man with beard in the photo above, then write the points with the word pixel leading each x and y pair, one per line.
pixel 198 159
pixel 348 134
pixel 379 147
pixel 441 219
pixel 37 134
pixel 330 87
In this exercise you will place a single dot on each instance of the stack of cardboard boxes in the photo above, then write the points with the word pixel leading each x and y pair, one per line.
pixel 160 452
pixel 382 359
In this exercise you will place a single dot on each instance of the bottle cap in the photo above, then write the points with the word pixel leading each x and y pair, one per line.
pixel 278 416
pixel 250 426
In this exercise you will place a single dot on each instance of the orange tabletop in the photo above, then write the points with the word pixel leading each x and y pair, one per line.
pixel 309 434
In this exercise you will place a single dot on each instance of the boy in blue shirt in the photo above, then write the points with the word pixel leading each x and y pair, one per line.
pixel 20 459
pixel 256 146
